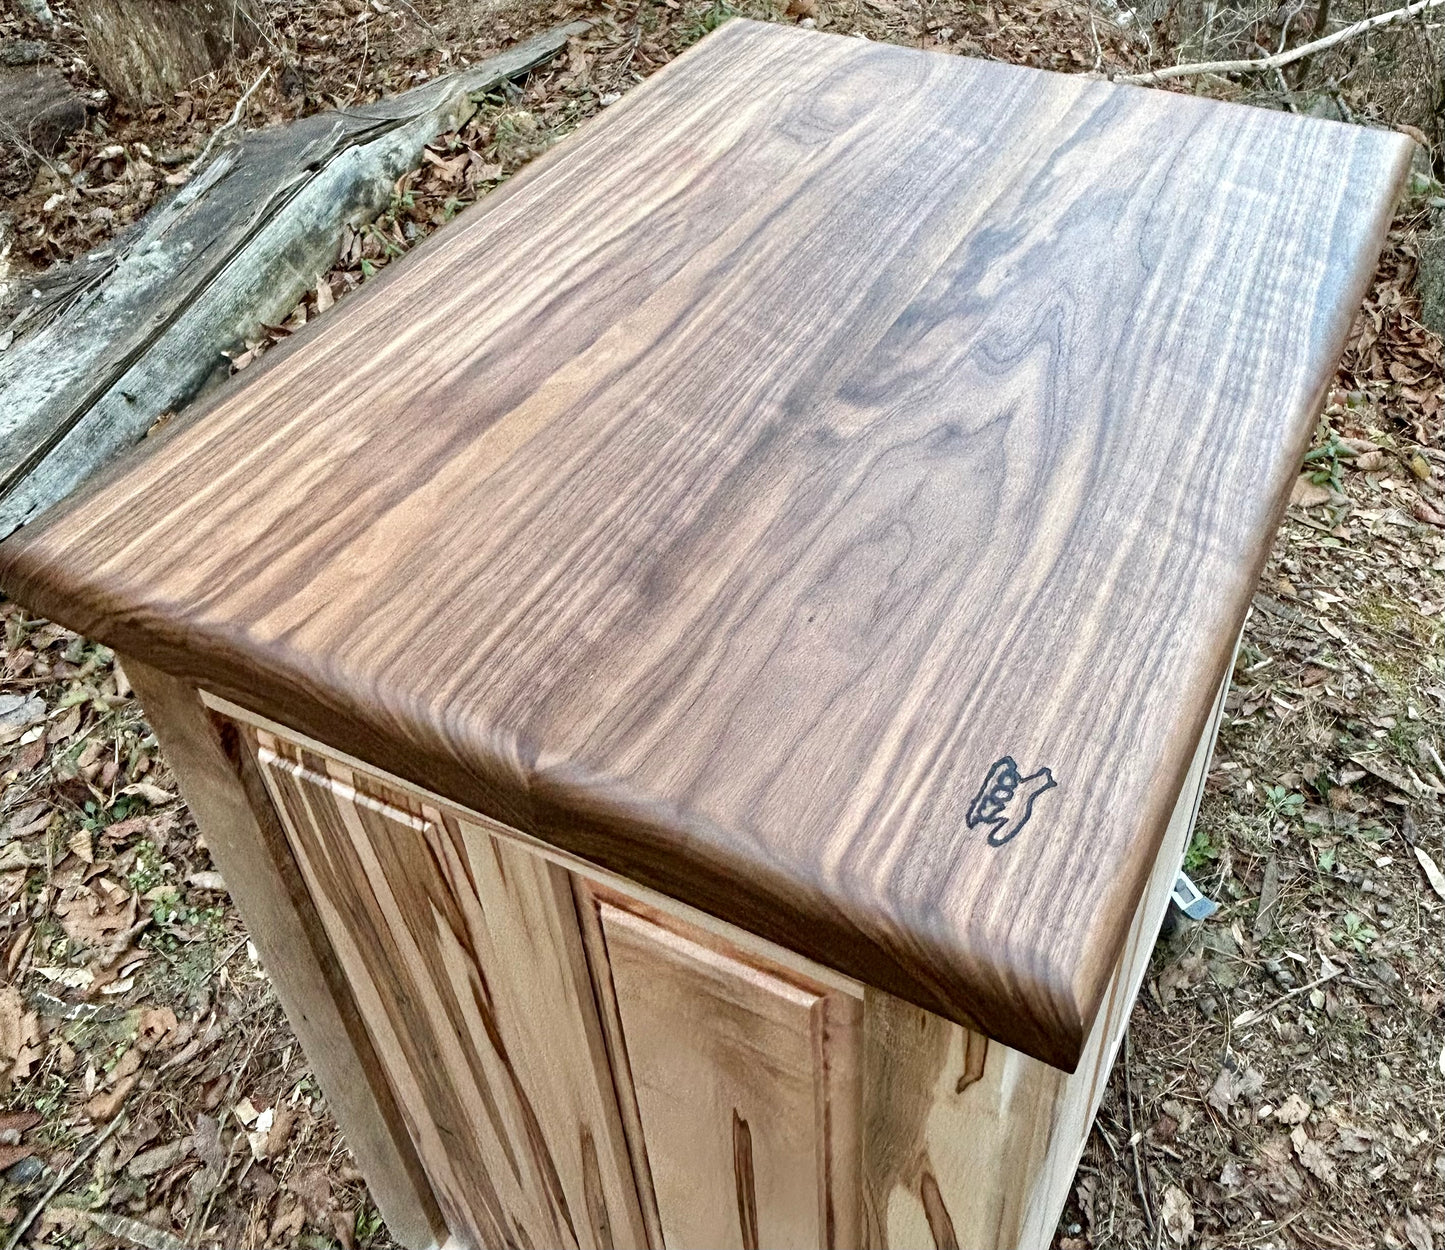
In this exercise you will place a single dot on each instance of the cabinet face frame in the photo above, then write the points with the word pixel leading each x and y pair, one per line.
pixel 464 952
pixel 960 1141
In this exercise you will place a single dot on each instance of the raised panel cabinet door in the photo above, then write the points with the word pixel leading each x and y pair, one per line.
pixel 465 957
pixel 745 1085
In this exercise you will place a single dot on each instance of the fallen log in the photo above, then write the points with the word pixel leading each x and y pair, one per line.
pixel 136 330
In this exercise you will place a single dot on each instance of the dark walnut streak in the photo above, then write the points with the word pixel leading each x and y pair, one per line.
pixel 823 425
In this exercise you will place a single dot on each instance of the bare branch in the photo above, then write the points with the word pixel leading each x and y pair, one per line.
pixel 235 117
pixel 1281 59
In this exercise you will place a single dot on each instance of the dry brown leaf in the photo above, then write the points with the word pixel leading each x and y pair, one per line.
pixel 1231 1085
pixel 135 1232
pixel 127 1066
pixel 105 1106
pixel 1178 1215
pixel 82 845
pixel 92 920
pixel 1294 1110
pixel 30 755
pixel 1418 1232
pixel 288 1225
pixel 153 795
pixel 19 1036
pixel 1308 494
pixel 159 1158
pixel 343 1223
pixel 27 821
pixel 313 1187
pixel 1432 870
pixel 18 1122
pixel 1431 516
pixel 155 1025
pixel 10 1155
pixel 1312 1155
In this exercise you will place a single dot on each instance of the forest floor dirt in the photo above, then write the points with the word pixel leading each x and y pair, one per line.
pixel 1284 1078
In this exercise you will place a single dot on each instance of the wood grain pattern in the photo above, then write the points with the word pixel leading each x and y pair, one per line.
pixel 465 955
pixel 969 1143
pixel 831 442
pixel 218 776
pixel 746 1087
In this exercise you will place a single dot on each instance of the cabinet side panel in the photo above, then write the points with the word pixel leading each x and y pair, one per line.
pixel 466 960
pixel 744 1084
pixel 969 1143
pixel 217 776
pixel 1084 1090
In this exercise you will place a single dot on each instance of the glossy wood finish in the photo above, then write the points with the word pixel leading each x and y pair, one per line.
pixel 746 1087
pixel 825 490
pixel 464 954
pixel 216 767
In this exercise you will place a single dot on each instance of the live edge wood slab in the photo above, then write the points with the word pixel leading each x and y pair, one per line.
pixel 825 491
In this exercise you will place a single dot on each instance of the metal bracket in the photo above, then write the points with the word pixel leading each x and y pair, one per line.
pixel 1190 901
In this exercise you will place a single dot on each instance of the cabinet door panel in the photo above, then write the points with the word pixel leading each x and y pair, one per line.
pixel 466 959
pixel 745 1090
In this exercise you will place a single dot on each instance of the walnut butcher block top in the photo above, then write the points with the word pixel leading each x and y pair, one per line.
pixel 826 489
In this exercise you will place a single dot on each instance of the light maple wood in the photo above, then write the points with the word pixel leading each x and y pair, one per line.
pixel 832 456
pixel 968 1143
pixel 868 1120
pixel 746 1088
pixel 464 953
pixel 219 781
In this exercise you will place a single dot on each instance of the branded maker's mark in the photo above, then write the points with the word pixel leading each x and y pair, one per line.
pixel 1006 800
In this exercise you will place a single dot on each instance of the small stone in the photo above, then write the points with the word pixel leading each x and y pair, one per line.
pixel 25 1171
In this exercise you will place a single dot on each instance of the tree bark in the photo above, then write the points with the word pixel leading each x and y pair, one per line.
pixel 146 50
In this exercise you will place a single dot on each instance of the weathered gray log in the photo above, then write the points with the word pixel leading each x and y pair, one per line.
pixel 142 329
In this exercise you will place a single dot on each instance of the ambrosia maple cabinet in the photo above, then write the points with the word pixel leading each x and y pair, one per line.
pixel 699 680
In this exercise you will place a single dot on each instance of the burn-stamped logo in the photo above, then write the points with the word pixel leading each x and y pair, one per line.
pixel 1006 800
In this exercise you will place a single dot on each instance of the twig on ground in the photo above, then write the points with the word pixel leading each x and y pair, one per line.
pixel 1280 59
pixel 416 13
pixel 1134 1136
pixel 1247 1018
pixel 229 124
pixel 1435 755
pixel 43 1201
